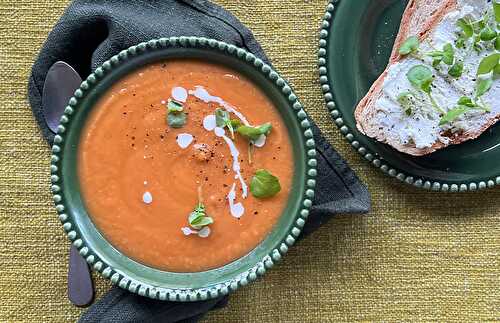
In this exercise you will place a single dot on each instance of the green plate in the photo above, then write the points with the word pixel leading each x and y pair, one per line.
pixel 356 40
pixel 151 282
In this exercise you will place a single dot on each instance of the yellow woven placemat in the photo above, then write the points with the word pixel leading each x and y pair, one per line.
pixel 416 257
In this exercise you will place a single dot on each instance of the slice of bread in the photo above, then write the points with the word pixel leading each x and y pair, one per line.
pixel 420 18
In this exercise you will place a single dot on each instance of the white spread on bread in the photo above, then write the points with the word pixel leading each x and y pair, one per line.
pixel 421 128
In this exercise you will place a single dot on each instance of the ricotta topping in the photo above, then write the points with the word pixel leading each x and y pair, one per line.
pixel 422 127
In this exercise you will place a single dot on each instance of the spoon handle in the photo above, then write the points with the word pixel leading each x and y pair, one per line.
pixel 80 286
pixel 60 84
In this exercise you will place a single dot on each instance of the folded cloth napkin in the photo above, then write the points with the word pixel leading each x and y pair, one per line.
pixel 90 32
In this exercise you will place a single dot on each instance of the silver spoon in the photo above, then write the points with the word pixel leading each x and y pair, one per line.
pixel 60 84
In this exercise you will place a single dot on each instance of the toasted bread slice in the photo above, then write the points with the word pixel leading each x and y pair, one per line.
pixel 420 19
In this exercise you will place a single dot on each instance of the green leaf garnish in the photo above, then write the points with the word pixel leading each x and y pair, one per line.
pixel 496 9
pixel 198 218
pixel 406 100
pixel 466 27
pixel 487 34
pixel 264 184
pixel 482 86
pixel 460 42
pixel 488 64
pixel 466 101
pixel 410 45
pixel 421 77
pixel 436 62
pixel 453 114
pixel 497 42
pixel 253 133
pixel 479 25
pixel 477 47
pixel 456 70
pixel 435 53
pixel 176 120
pixel 448 54
pixel 464 104
pixel 174 106
pixel 235 123
pixel 222 120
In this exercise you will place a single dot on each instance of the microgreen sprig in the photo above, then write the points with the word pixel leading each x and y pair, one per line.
pixel 253 133
pixel 406 100
pixel 264 184
pixel 198 219
pixel 176 117
pixel 447 55
pixel 421 77
pixel 222 120
pixel 496 10
pixel 464 105
pixel 488 66
pixel 409 46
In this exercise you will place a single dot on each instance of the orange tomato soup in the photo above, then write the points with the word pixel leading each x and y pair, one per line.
pixel 139 185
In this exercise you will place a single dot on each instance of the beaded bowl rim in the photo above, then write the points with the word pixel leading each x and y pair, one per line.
pixel 426 183
pixel 241 277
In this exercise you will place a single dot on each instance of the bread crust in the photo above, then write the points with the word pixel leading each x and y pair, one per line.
pixel 412 23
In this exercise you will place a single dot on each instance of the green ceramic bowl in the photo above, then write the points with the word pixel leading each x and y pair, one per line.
pixel 356 40
pixel 144 280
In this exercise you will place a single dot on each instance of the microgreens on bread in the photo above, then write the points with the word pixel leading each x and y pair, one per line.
pixel 447 55
pixel 464 105
pixel 488 66
pixel 496 10
pixel 456 70
pixel 421 77
pixel 407 101
pixel 410 45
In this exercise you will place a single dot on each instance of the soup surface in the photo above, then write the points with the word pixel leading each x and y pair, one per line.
pixel 141 178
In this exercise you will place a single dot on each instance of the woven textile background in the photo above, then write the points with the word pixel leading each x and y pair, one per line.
pixel 416 257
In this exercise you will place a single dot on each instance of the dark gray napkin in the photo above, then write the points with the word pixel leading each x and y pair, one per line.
pixel 90 32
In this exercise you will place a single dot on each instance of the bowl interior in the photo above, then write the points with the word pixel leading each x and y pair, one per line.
pixel 142 273
pixel 360 41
